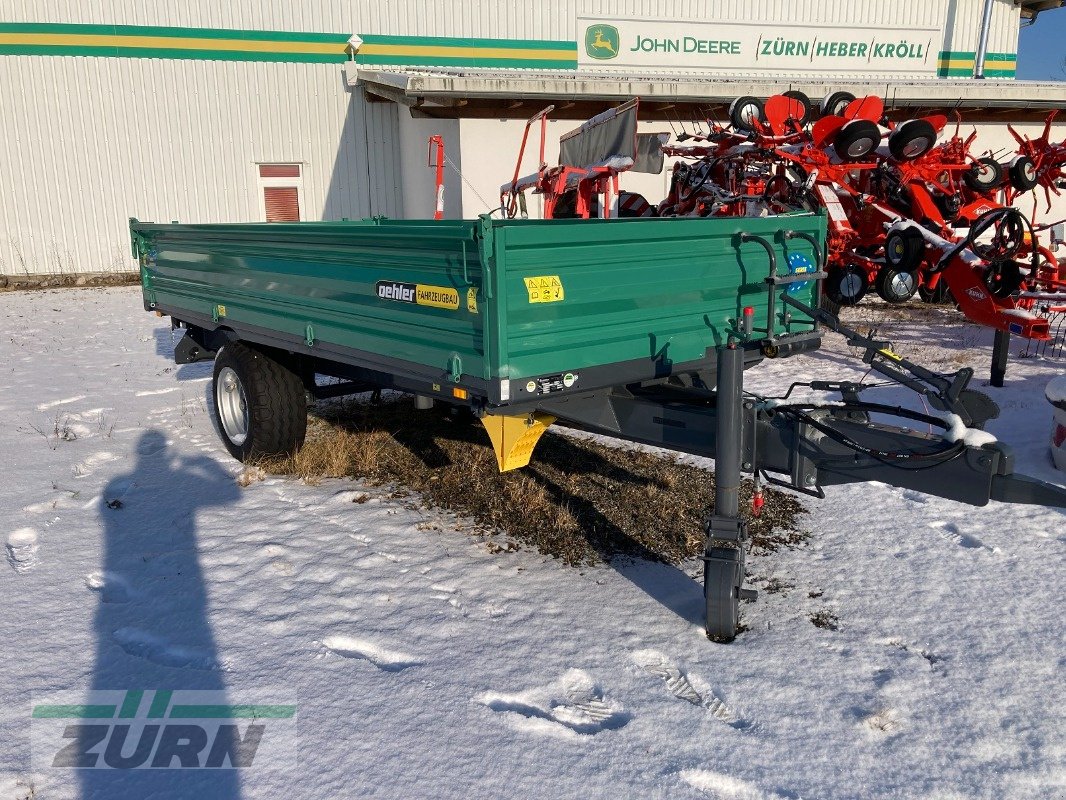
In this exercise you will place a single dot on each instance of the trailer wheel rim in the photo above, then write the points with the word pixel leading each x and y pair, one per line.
pixel 232 406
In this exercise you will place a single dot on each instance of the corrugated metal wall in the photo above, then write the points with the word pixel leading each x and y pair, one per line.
pixel 963 26
pixel 87 142
pixel 555 19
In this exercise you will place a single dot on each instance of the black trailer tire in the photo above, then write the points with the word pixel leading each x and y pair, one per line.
pixel 896 285
pixel 1023 174
pixel 744 110
pixel 911 140
pixel 803 101
pixel 857 139
pixel 260 408
pixel 846 287
pixel 834 105
pixel 723 575
pixel 984 175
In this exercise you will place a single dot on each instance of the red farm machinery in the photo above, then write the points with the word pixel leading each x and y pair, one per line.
pixel 911 207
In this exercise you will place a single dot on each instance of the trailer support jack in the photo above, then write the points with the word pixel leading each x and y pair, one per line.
pixel 726 532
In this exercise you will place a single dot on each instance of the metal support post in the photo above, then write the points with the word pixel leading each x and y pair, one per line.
pixel 729 431
pixel 723 558
pixel 1000 350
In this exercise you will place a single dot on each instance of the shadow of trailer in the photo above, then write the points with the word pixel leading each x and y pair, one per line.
pixel 637 328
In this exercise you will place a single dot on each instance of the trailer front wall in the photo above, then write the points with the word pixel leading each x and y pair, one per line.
pixel 651 293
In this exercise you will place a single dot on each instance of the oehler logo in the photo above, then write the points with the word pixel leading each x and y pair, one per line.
pixel 601 41
pixel 419 293
pixel 389 290
pixel 161 729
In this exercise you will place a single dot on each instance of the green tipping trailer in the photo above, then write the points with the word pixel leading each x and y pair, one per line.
pixel 503 309
pixel 637 328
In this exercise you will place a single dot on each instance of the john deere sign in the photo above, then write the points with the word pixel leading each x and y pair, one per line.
pixel 601 42
pixel 728 46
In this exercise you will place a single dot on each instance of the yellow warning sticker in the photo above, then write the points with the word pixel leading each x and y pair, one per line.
pixel 471 299
pixel 889 354
pixel 544 289
pixel 221 310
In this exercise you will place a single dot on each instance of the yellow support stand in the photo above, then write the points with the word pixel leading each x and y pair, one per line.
pixel 514 437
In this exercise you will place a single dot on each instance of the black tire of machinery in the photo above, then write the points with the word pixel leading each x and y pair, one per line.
pixel 913 245
pixel 1019 180
pixel 973 181
pixel 910 131
pixel 834 100
pixel 739 103
pixel 808 108
pixel 855 131
pixel 884 281
pixel 833 280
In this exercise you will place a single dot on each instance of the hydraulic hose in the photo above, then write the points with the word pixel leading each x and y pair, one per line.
pixel 897 459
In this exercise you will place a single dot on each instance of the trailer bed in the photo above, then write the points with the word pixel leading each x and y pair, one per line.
pixel 506 310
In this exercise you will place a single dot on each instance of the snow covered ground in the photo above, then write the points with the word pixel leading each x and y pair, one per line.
pixel 425 666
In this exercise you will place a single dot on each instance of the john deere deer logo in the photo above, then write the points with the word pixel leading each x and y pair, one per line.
pixel 601 41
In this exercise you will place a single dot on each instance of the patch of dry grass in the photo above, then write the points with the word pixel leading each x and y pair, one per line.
pixel 578 500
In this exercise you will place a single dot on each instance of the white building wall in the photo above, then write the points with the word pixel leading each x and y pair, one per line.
pixel 86 143
pixel 520 19
pixel 418 179
pixel 511 19
pixel 963 26
pixel 90 142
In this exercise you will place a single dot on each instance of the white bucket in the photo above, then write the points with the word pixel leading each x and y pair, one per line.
pixel 1056 395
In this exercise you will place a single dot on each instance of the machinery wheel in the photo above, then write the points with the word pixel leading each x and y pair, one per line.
pixel 845 286
pixel 260 408
pixel 833 105
pixel 950 205
pixel 1023 174
pixel 744 111
pixel 904 249
pixel 912 139
pixel 1003 278
pixel 803 101
pixel 723 575
pixel 1007 239
pixel 857 139
pixel 984 175
pixel 896 285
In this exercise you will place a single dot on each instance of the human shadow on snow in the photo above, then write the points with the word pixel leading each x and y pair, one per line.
pixel 152 624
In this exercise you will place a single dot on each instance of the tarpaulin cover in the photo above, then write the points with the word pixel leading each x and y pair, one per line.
pixel 608 135
pixel 650 152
